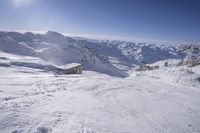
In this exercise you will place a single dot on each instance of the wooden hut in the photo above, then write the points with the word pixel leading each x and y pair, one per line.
pixel 72 68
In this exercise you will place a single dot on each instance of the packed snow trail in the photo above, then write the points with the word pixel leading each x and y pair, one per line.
pixel 94 103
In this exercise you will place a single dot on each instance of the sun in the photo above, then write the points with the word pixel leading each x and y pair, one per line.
pixel 19 3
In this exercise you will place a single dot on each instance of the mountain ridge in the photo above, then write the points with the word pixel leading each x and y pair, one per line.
pixel 114 58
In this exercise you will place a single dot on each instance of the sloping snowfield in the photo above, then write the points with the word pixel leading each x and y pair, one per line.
pixel 35 102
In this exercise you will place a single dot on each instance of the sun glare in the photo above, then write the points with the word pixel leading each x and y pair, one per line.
pixel 20 3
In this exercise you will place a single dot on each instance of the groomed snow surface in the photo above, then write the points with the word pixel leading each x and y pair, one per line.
pixel 33 101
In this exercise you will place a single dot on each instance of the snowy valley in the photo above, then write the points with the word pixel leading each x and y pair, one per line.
pixel 109 97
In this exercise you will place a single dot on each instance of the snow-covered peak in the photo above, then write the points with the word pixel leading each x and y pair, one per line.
pixel 54 34
pixel 57 49
pixel 105 56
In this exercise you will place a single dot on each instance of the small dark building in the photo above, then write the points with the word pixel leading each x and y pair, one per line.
pixel 73 68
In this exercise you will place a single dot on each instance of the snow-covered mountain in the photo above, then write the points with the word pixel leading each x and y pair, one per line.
pixel 127 54
pixel 57 49
pixel 35 100
pixel 114 58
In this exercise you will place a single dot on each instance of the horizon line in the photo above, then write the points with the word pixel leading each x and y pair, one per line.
pixel 107 37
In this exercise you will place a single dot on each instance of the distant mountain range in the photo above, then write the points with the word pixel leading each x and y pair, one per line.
pixel 114 58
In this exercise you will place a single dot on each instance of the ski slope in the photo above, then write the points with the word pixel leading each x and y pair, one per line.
pixel 33 101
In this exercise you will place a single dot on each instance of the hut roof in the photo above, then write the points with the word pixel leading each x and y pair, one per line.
pixel 71 65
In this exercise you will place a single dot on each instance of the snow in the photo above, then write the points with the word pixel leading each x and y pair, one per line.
pixel 39 102
pixel 71 65
pixel 115 58
pixel 57 49
pixel 101 100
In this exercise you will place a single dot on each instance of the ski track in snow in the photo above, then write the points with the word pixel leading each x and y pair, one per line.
pixel 97 104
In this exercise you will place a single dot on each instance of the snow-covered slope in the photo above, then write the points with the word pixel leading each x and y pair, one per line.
pixel 126 54
pixel 10 45
pixel 173 74
pixel 33 101
pixel 57 49
pixel 114 58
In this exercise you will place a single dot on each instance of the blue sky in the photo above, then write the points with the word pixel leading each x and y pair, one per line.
pixel 133 19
